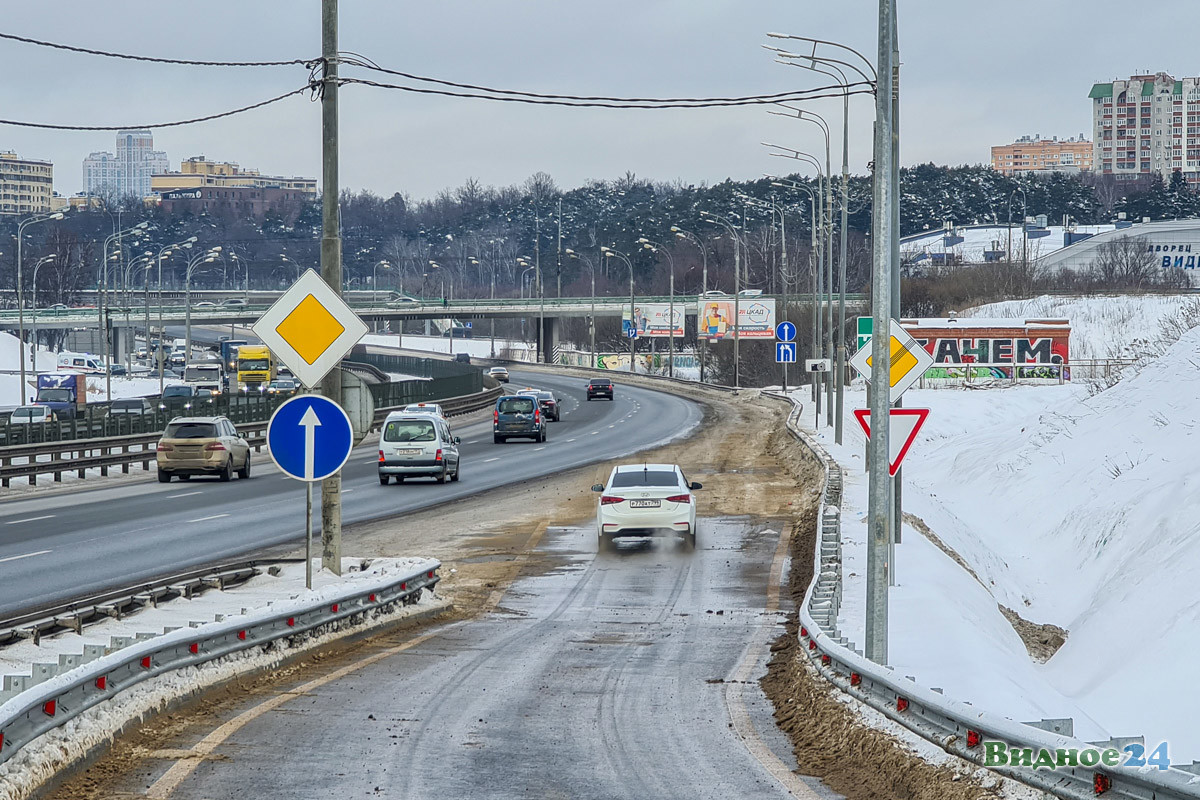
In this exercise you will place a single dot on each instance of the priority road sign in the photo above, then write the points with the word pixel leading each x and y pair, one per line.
pixel 310 437
pixel 785 352
pixel 909 360
pixel 903 424
pixel 310 328
pixel 785 332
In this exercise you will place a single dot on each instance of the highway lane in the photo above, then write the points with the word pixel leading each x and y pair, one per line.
pixel 615 676
pixel 58 546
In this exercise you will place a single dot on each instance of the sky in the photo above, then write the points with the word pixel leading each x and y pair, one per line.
pixel 971 77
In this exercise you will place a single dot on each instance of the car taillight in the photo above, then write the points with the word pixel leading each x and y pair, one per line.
pixel 680 498
pixel 163 447
pixel 537 415
pixel 438 457
pixel 381 456
pixel 214 446
pixel 496 416
pixel 608 500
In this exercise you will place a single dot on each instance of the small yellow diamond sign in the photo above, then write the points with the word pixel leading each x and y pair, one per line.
pixel 908 362
pixel 310 329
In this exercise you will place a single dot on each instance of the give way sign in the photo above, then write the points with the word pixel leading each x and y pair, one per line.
pixel 903 424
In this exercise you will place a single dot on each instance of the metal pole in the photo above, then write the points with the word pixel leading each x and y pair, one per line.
pixel 537 272
pixel 592 318
pixel 878 516
pixel 827 351
pixel 331 265
pixel 671 361
pixel 783 279
pixel 841 349
pixel 558 269
pixel 897 493
pixel 161 334
pixel 187 311
pixel 308 534
pixel 493 350
pixel 737 307
pixel 21 315
pixel 632 319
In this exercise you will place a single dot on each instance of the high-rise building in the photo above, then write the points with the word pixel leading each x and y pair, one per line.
pixel 1147 124
pixel 25 186
pixel 1033 154
pixel 128 172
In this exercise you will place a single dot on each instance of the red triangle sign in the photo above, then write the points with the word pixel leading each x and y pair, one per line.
pixel 902 431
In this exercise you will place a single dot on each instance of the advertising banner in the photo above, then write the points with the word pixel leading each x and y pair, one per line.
pixel 756 318
pixel 654 319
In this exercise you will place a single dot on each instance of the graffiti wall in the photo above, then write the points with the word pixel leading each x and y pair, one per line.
pixel 993 348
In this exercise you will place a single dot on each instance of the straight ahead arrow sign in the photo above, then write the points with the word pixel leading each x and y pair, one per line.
pixel 902 431
pixel 310 421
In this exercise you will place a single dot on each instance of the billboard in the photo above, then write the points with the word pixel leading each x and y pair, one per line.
pixel 653 319
pixel 756 318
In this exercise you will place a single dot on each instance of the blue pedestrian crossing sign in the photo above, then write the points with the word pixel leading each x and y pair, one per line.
pixel 310 437
pixel 785 352
pixel 786 332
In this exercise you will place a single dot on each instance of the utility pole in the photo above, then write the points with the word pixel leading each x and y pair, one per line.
pixel 897 505
pixel 558 269
pixel 878 505
pixel 331 265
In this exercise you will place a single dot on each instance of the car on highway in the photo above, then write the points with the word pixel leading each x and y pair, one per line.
pixel 424 408
pixel 130 407
pixel 518 416
pixel 31 415
pixel 176 399
pixel 499 373
pixel 178 358
pixel 283 386
pixel 417 445
pixel 204 304
pixel 202 446
pixel 599 387
pixel 549 404
pixel 646 500
pixel 233 302
pixel 462 358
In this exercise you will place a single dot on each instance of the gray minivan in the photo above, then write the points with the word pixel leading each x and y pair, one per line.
pixel 414 445
pixel 518 416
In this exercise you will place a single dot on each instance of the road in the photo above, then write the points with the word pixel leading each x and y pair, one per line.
pixel 613 676
pixel 58 546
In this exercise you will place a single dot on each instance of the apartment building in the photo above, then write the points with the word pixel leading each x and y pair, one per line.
pixel 198 172
pixel 26 186
pixel 1147 124
pixel 1033 154
pixel 127 172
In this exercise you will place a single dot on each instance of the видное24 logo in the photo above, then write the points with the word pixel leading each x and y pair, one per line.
pixel 999 754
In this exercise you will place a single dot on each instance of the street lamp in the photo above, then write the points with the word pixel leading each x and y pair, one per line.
pixel 375 278
pixel 102 312
pixel 609 252
pixel 680 233
pixel 129 268
pixel 591 319
pixel 658 248
pixel 165 251
pixel 207 257
pixel 286 260
pixel 737 288
pixel 33 346
pixel 21 226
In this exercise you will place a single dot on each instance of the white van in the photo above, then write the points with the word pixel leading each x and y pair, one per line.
pixel 81 362
pixel 413 445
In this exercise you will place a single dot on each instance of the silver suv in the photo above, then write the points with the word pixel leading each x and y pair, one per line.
pixel 413 445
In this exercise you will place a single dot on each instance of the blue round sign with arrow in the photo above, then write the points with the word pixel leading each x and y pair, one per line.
pixel 785 332
pixel 310 437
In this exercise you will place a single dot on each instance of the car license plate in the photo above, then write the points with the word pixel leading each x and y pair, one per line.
pixel 644 503
pixel 409 452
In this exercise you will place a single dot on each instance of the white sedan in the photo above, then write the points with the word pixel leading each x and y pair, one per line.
pixel 646 500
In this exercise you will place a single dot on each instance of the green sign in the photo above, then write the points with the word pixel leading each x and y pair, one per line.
pixel 864 331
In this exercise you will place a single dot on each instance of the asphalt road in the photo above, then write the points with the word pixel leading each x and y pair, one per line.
pixel 614 676
pixel 59 546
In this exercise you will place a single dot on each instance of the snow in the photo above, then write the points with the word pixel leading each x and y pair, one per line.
pixel 978 238
pixel 1074 508
pixel 478 347
pixel 38 762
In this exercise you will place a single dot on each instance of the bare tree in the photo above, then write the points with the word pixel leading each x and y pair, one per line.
pixel 1125 262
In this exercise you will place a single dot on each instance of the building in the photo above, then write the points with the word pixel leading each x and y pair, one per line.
pixel 25 186
pixel 198 172
pixel 128 172
pixel 1138 127
pixel 1033 154
pixel 241 201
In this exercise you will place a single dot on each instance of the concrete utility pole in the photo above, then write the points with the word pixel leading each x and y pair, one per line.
pixel 558 269
pixel 878 505
pixel 331 265
pixel 897 505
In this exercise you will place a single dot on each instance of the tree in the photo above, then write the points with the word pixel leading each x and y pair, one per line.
pixel 1125 262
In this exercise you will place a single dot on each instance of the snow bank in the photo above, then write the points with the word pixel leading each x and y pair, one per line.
pixel 479 347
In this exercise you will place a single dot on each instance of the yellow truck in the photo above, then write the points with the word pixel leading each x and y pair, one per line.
pixel 255 367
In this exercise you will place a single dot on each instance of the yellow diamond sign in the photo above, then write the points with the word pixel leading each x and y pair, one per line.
pixel 310 328
pixel 908 361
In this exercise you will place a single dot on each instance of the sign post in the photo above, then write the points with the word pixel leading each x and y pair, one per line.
pixel 785 333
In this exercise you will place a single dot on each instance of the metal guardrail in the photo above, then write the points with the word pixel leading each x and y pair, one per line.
pixel 63 697
pixel 954 726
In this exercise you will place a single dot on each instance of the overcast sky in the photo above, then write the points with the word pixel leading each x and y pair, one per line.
pixel 973 75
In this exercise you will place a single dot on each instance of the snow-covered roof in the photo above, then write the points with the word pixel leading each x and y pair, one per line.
pixel 980 239
pixel 976 322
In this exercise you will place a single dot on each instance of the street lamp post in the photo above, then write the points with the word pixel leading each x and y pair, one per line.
pixel 33 345
pixel 207 257
pixel 158 356
pixel 658 248
pixel 680 233
pixel 608 251
pixel 592 317
pixel 21 291
pixel 103 311
pixel 129 268
pixel 528 269
pixel 737 288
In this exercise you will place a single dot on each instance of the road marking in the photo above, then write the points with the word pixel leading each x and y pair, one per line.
pixel 347 491
pixel 743 726
pixel 543 447
pixel 372 461
pixel 185 494
pixel 593 433
pixel 206 519
pixel 27 555
pixel 486 460
pixel 570 440
pixel 30 519
pixel 612 426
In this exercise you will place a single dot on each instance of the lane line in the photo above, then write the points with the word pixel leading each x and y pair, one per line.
pixel 593 433
pixel 185 494
pixel 543 447
pixel 26 555
pixel 486 460
pixel 30 519
pixel 570 440
pixel 206 519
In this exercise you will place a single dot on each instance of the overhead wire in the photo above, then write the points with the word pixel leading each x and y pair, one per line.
pixel 307 62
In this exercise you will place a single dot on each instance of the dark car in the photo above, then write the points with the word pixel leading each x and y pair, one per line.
pixel 177 399
pixel 599 387
pixel 549 404
pixel 462 358
pixel 130 407
pixel 518 416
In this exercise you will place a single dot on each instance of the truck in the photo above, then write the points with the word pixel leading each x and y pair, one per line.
pixel 229 350
pixel 204 375
pixel 255 367
pixel 64 393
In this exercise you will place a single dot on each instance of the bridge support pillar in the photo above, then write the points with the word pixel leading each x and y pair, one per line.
pixel 550 335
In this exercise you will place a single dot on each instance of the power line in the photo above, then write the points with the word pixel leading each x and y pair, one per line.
pixel 808 94
pixel 306 62
pixel 193 121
